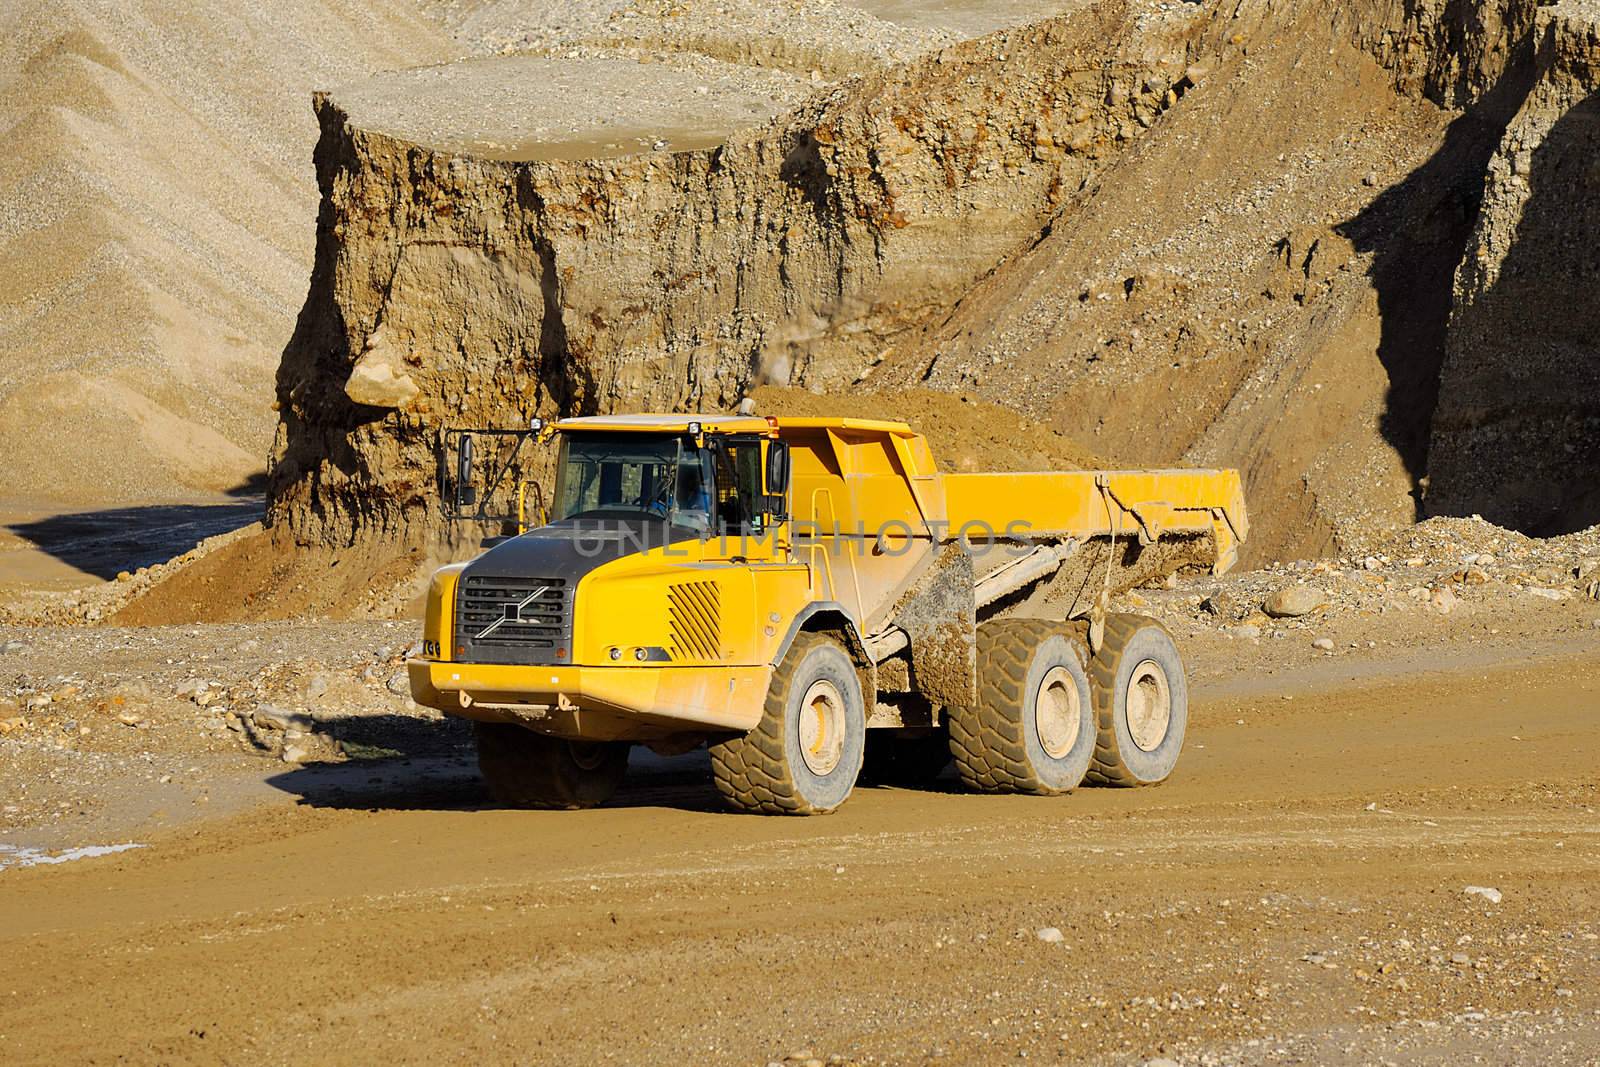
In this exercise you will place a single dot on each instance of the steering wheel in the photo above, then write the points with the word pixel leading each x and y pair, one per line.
pixel 661 501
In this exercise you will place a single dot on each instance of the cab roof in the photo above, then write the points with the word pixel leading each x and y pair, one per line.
pixel 726 424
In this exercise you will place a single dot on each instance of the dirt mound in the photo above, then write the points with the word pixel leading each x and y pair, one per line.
pixel 1251 314
pixel 156 201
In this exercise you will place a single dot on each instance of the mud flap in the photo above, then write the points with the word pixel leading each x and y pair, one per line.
pixel 940 617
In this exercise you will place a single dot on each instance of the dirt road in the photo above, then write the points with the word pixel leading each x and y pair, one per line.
pixel 1295 895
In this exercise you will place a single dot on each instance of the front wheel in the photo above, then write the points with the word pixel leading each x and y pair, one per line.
pixel 528 770
pixel 804 755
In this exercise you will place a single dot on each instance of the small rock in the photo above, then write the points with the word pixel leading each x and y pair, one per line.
pixel 271 717
pixel 1491 895
pixel 128 718
pixel 399 684
pixel 1295 601
pixel 1444 600
pixel 1371 563
pixel 1324 644
pixel 1249 631
pixel 1050 935
pixel 1162 1062
pixel 11 725
pixel 1550 594
pixel 13 646
pixel 295 754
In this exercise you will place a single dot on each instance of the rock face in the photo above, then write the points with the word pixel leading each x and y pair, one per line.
pixel 1516 436
pixel 1008 216
pixel 795 252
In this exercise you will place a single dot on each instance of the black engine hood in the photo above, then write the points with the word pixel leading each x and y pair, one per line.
pixel 575 547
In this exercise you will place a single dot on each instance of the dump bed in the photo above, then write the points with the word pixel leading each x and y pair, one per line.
pixel 1148 505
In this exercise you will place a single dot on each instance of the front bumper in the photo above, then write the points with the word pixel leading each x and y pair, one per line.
pixel 637 702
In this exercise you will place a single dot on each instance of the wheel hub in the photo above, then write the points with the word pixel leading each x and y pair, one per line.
pixel 1057 712
pixel 822 728
pixel 1149 705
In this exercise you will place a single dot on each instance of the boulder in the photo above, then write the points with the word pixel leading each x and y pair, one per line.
pixel 1295 601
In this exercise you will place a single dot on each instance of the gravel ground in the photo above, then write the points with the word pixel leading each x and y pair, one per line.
pixel 111 731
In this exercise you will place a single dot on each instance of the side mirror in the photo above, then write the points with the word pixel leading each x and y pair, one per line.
pixel 778 468
pixel 466 492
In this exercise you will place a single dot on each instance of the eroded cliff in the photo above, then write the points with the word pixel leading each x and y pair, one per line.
pixel 1174 232
pixel 1516 436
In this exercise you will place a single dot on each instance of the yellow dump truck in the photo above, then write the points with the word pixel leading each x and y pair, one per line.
pixel 811 596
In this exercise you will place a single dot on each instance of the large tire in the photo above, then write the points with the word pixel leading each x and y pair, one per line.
pixel 805 754
pixel 1031 730
pixel 905 761
pixel 1141 703
pixel 528 770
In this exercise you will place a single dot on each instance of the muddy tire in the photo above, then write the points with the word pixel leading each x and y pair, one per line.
pixel 1141 703
pixel 528 770
pixel 1031 730
pixel 905 761
pixel 805 754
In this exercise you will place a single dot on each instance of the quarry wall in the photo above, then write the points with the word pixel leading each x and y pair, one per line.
pixel 453 291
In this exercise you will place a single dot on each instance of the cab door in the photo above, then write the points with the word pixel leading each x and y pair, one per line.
pixel 760 582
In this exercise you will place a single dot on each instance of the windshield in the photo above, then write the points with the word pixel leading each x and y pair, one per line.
pixel 629 475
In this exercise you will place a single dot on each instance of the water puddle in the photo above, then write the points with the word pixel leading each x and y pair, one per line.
pixel 16 856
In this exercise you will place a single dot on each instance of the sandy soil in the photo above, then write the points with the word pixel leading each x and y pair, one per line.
pixel 1297 893
pixel 518 106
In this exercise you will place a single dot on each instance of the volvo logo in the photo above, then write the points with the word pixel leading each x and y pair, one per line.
pixel 512 613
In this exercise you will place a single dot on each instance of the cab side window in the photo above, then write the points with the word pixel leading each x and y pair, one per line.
pixel 738 486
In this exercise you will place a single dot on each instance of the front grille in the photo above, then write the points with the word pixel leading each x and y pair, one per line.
pixel 694 612
pixel 514 620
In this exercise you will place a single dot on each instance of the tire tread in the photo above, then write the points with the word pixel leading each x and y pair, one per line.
pixel 986 739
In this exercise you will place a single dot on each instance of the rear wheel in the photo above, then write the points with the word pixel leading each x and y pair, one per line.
pixel 1031 730
pixel 1141 703
pixel 528 770
pixel 805 754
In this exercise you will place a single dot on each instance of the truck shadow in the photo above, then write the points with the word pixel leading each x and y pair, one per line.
pixel 414 781
pixel 422 781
